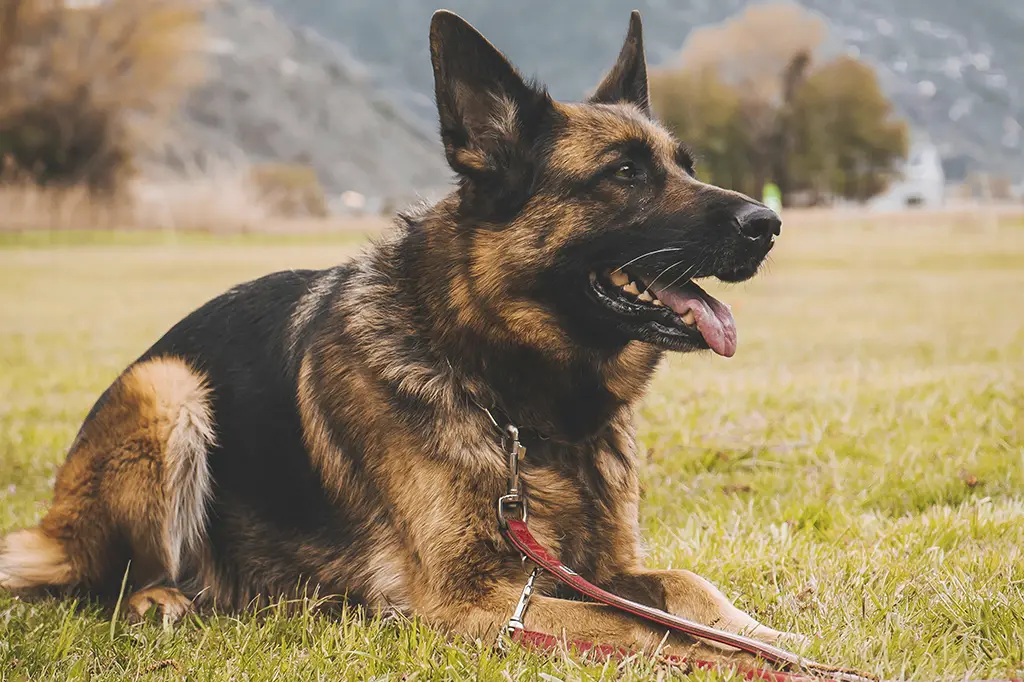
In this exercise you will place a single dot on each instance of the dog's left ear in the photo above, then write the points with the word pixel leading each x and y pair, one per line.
pixel 488 112
pixel 627 81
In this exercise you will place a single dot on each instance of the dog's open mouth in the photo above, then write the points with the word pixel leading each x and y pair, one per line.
pixel 675 309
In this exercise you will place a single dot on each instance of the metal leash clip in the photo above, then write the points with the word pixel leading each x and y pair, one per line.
pixel 514 500
pixel 516 621
pixel 513 496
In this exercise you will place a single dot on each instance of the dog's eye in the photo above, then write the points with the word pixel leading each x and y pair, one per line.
pixel 627 171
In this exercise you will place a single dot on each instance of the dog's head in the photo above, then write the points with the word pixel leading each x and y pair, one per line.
pixel 582 224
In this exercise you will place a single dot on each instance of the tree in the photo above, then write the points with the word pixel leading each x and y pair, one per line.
pixel 700 108
pixel 847 142
pixel 752 100
pixel 79 84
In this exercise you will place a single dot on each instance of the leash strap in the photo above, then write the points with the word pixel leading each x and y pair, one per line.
pixel 512 516
pixel 519 536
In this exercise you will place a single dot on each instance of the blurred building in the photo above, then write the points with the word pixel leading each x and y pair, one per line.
pixel 922 182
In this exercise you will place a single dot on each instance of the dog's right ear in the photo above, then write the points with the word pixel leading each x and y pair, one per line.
pixel 627 81
pixel 486 108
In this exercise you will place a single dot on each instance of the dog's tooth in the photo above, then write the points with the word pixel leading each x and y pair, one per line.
pixel 688 318
pixel 646 297
pixel 619 278
pixel 631 288
pixel 658 302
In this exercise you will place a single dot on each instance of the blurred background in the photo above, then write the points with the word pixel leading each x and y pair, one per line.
pixel 220 114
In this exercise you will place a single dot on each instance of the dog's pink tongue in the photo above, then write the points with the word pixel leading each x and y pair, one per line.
pixel 714 319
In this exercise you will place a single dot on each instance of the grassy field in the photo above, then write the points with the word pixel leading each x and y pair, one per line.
pixel 855 473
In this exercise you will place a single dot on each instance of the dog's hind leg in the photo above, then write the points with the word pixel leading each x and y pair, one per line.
pixel 134 487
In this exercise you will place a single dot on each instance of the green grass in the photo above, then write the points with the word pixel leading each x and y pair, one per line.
pixel 855 473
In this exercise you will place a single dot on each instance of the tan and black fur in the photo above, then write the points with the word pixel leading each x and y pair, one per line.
pixel 326 428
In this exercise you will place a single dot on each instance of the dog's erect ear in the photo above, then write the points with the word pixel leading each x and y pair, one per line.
pixel 485 106
pixel 627 81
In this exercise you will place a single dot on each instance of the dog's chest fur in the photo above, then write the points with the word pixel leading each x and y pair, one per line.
pixel 403 445
pixel 426 495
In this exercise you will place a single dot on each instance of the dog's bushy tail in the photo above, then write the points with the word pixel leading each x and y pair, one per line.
pixel 31 559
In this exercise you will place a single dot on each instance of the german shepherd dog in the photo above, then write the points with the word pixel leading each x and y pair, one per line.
pixel 328 428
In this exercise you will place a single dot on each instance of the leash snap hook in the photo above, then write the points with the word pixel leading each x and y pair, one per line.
pixel 516 621
pixel 513 501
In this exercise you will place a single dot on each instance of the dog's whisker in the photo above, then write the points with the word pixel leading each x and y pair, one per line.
pixel 649 253
pixel 655 280
pixel 687 272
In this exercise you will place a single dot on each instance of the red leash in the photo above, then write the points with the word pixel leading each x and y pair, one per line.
pixel 520 537
pixel 516 532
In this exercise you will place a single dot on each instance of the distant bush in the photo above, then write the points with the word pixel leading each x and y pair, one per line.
pixel 289 190
pixel 82 87
pixel 751 98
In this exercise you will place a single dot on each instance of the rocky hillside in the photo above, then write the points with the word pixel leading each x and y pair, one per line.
pixel 954 68
pixel 281 94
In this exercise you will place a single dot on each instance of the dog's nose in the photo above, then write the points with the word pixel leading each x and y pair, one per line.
pixel 758 223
